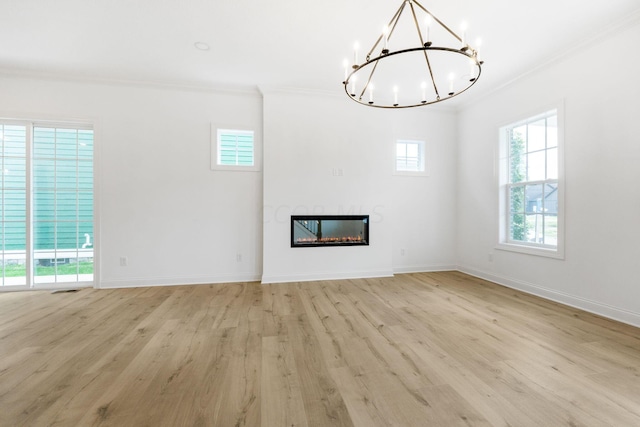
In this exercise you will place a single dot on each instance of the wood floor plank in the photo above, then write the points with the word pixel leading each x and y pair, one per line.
pixel 123 398
pixel 66 358
pixel 498 410
pixel 600 407
pixel 359 399
pixel 436 349
pixel 381 352
pixel 322 400
pixel 449 408
pixel 282 403
pixel 395 401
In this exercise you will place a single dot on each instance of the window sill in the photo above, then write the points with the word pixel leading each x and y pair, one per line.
pixel 411 173
pixel 236 168
pixel 531 250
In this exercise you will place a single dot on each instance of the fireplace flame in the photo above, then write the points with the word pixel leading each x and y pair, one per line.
pixel 343 239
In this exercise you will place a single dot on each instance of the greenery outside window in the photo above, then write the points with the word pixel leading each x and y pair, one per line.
pixel 531 216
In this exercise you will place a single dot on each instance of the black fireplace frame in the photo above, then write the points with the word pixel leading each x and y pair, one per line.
pixel 364 242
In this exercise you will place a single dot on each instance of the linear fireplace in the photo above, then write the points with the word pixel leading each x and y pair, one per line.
pixel 329 230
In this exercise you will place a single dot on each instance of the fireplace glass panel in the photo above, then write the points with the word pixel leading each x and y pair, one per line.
pixel 329 230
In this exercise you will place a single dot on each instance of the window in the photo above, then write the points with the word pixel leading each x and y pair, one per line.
pixel 410 158
pixel 46 234
pixel 531 210
pixel 233 150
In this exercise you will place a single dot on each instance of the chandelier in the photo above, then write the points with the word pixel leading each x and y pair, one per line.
pixel 441 66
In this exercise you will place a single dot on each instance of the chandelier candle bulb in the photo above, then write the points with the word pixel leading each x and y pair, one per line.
pixel 370 93
pixel 427 24
pixel 356 46
pixel 345 64
pixel 451 77
pixel 395 96
pixel 423 86
pixel 464 34
pixel 353 85
pixel 385 32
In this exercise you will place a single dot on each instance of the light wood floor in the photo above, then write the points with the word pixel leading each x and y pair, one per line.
pixel 429 349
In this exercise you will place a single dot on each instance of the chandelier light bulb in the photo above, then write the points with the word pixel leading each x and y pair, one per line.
pixel 451 78
pixel 395 96
pixel 370 93
pixel 385 33
pixel 353 85
pixel 423 86
pixel 427 25
pixel 345 64
pixel 463 28
pixel 478 44
pixel 356 46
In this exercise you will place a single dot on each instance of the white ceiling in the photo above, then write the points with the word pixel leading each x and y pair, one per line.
pixel 285 43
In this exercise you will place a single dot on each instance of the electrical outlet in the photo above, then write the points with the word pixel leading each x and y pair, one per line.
pixel 124 261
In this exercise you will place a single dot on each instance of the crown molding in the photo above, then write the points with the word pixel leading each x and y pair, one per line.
pixel 230 89
pixel 562 54
pixel 291 90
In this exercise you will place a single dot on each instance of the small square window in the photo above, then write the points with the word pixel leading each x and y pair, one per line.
pixel 233 150
pixel 410 158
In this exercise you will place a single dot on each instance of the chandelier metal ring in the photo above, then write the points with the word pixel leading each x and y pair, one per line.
pixel 359 97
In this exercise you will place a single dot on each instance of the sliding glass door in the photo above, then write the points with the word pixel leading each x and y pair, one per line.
pixel 47 204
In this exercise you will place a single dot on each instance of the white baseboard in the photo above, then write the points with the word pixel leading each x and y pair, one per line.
pixel 594 307
pixel 423 268
pixel 177 281
pixel 308 277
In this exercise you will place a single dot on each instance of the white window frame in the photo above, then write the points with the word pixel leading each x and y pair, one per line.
pixel 216 131
pixel 504 240
pixel 422 161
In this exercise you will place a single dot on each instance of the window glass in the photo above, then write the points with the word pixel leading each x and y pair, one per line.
pixel 536 136
pixel 552 163
pixel 13 200
pixel 552 131
pixel 235 148
pixel 536 163
pixel 410 156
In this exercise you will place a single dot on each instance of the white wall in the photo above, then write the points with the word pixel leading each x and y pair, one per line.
pixel 600 89
pixel 160 205
pixel 424 208
pixel 306 138
pixel 177 222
